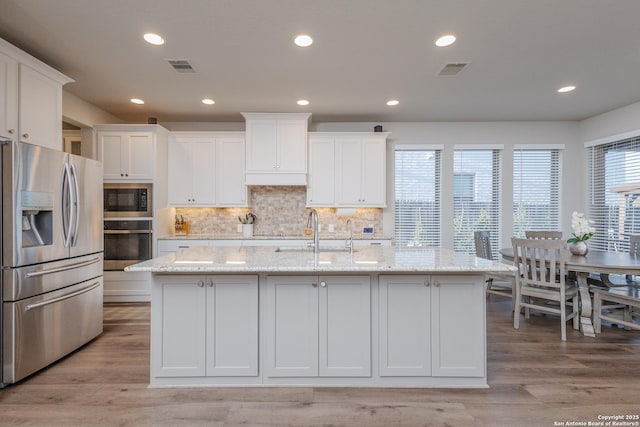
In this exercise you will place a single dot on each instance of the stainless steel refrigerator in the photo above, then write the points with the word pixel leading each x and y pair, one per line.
pixel 52 245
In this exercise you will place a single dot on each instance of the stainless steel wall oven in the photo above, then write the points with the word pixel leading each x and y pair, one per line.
pixel 126 242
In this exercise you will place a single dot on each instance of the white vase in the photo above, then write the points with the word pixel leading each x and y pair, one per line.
pixel 247 230
pixel 579 248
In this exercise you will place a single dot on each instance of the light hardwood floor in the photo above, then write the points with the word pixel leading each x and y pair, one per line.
pixel 535 380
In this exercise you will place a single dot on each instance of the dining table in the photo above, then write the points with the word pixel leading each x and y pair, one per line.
pixel 594 262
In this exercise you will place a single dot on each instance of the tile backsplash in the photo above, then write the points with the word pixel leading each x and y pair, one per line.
pixel 280 211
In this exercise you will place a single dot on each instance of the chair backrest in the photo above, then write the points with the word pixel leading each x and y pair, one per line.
pixel 554 235
pixel 482 239
pixel 634 245
pixel 541 262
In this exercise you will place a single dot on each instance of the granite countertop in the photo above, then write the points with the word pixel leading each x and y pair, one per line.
pixel 369 259
pixel 240 236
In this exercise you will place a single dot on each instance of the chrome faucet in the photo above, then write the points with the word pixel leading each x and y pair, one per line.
pixel 349 241
pixel 312 222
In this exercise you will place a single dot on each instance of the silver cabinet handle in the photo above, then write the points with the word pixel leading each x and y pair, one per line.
pixel 315 285
pixel 63 297
pixel 200 284
pixel 210 283
pixel 323 284
pixel 12 131
pixel 64 268
pixel 436 284
pixel 25 135
pixel 427 283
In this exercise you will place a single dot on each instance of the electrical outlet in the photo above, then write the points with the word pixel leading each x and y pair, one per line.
pixel 331 228
pixel 239 228
pixel 319 228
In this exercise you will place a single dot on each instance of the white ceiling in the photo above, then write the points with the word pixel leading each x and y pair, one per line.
pixel 365 52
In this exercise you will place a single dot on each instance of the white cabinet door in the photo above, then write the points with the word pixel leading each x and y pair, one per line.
pixel 179 171
pixel 321 187
pixel 291 153
pixel 137 156
pixel 112 144
pixel 168 246
pixel 291 327
pixel 405 326
pixel 202 172
pixel 232 325
pixel 261 145
pixel 374 166
pixel 348 172
pixel 178 313
pixel 40 109
pixel 345 326
pixel 230 187
pixel 458 316
pixel 8 97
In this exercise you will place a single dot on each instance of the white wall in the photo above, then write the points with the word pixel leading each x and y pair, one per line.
pixel 507 134
pixel 624 120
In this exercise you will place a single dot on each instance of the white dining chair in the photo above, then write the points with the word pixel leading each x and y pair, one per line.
pixel 504 282
pixel 536 287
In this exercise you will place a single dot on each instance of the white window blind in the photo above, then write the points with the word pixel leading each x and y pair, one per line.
pixel 476 198
pixel 417 197
pixel 614 190
pixel 536 190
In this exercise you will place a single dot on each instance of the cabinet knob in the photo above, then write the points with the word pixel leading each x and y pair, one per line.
pixel 25 135
pixel 323 284
pixel 200 284
pixel 210 283
pixel 315 285
pixel 121 174
pixel 12 131
pixel 126 174
pixel 436 284
pixel 427 283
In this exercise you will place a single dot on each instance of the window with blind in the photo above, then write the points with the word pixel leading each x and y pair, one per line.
pixel 536 190
pixel 417 197
pixel 614 193
pixel 476 197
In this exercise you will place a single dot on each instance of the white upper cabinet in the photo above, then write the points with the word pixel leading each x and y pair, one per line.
pixel 206 169
pixel 321 186
pixel 347 169
pixel 127 155
pixel 276 148
pixel 30 99
pixel 8 97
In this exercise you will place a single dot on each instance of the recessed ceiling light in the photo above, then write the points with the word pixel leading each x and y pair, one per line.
pixel 153 39
pixel 393 102
pixel 302 102
pixel 137 101
pixel 447 40
pixel 566 89
pixel 208 101
pixel 303 40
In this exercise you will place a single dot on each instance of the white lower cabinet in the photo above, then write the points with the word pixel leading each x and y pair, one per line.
pixel 432 326
pixel 318 326
pixel 204 326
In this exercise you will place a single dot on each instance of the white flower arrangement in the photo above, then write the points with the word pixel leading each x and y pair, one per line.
pixel 581 226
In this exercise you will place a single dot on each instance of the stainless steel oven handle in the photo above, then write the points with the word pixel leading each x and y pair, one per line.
pixel 127 231
pixel 63 297
pixel 64 268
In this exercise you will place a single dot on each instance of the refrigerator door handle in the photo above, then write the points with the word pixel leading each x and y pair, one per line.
pixel 63 297
pixel 67 209
pixel 64 268
pixel 75 201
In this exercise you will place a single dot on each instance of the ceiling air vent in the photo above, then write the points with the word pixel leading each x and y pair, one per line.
pixel 453 69
pixel 181 65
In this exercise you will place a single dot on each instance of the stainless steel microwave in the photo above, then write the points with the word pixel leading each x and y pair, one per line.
pixel 128 200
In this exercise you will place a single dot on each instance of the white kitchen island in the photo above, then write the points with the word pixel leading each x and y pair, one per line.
pixel 377 317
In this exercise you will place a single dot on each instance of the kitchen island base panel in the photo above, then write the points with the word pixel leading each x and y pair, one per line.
pixel 454 355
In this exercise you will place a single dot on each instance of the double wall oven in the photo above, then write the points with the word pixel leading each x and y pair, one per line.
pixel 128 224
